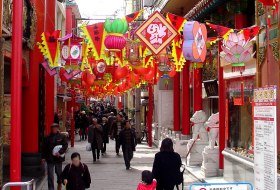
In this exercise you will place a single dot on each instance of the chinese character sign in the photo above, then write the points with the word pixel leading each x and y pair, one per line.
pixel 156 33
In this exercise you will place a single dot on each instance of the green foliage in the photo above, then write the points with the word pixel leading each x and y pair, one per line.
pixel 119 26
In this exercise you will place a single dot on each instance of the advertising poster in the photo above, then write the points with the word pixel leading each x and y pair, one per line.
pixel 265 147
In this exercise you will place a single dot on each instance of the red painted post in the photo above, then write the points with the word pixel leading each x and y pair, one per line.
pixel 222 114
pixel 72 119
pixel 69 20
pixel 16 92
pixel 197 89
pixel 150 114
pixel 176 102
pixel 186 100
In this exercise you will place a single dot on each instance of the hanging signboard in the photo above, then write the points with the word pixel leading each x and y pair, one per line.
pixel 156 32
pixel 218 186
pixel 265 138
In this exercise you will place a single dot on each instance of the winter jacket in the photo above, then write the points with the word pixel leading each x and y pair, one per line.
pixel 127 137
pixel 95 136
pixel 143 186
pixel 48 145
pixel 166 168
pixel 115 130
pixel 78 178
pixel 105 135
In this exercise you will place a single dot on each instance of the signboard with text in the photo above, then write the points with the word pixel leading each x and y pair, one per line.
pixel 221 186
pixel 156 33
pixel 265 142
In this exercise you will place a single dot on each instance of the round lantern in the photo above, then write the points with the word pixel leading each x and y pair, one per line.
pixel 115 40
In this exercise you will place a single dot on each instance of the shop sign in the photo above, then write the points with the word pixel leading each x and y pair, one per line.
pixel 222 186
pixel 211 88
pixel 265 138
pixel 156 33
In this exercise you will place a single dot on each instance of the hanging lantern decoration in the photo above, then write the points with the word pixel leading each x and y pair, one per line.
pixel 237 51
pixel 133 51
pixel 115 40
pixel 100 69
pixel 71 49
pixel 120 73
pixel 88 78
pixel 194 46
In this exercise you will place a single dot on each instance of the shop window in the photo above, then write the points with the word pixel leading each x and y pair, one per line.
pixel 240 121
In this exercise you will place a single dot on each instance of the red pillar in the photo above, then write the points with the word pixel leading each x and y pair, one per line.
pixel 197 90
pixel 16 92
pixel 150 114
pixel 222 114
pixel 30 96
pixel 49 80
pixel 69 20
pixel 186 100
pixel 176 102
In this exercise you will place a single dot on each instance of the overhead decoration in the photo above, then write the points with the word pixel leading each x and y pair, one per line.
pixel 156 33
pixel 237 51
pixel 194 46
pixel 268 2
pixel 71 49
pixel 50 48
pixel 95 36
pixel 133 16
pixel 115 40
pixel 176 45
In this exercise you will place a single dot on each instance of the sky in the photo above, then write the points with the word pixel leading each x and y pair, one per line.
pixel 100 8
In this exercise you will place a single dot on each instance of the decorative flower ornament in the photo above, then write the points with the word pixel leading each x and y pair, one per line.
pixel 237 51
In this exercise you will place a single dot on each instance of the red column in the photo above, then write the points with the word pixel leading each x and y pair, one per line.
pixel 176 102
pixel 197 90
pixel 150 114
pixel 16 92
pixel 69 20
pixel 186 100
pixel 222 114
pixel 49 80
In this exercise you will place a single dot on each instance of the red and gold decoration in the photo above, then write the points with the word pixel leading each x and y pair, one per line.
pixel 156 33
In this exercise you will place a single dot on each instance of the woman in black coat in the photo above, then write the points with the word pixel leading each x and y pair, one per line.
pixel 76 176
pixel 105 133
pixel 166 167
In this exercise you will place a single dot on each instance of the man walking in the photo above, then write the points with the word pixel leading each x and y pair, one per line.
pixel 128 143
pixel 116 129
pixel 54 148
pixel 95 138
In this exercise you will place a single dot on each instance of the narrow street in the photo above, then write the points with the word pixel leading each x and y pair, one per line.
pixel 110 173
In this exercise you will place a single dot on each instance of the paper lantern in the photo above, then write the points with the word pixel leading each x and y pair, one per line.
pixel 120 73
pixel 194 46
pixel 115 40
pixel 237 51
pixel 88 78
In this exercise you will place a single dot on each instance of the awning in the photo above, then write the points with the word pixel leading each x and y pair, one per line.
pixel 179 7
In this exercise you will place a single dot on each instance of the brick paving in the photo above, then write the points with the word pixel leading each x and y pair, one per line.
pixel 110 173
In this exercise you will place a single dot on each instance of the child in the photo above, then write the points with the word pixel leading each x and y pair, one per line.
pixel 148 183
pixel 76 176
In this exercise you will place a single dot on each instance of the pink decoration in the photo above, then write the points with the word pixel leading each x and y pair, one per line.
pixel 113 42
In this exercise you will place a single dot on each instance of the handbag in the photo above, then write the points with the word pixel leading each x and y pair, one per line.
pixel 88 147
pixel 181 175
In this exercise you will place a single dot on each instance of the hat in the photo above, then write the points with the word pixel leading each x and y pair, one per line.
pixel 83 112
pixel 54 125
pixel 120 114
pixel 104 119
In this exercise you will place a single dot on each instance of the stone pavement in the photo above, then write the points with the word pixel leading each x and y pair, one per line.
pixel 109 172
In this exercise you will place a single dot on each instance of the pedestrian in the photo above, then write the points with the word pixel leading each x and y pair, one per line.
pixel 117 126
pixel 105 133
pixel 111 120
pixel 95 139
pixel 75 175
pixel 127 139
pixel 166 167
pixel 54 148
pixel 148 182
pixel 83 126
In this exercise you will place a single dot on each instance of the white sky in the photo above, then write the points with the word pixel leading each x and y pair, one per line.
pixel 100 8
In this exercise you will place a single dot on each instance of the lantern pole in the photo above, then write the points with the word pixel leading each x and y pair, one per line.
pixel 197 89
pixel 176 102
pixel 16 92
pixel 150 114
pixel 186 99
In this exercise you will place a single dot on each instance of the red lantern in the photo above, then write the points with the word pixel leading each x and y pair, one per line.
pixel 141 71
pixel 149 76
pixel 113 42
pixel 62 76
pixel 88 78
pixel 172 73
pixel 120 73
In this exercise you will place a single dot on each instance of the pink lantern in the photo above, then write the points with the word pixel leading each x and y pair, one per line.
pixel 114 42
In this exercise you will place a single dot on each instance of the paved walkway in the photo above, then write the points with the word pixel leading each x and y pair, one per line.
pixel 110 173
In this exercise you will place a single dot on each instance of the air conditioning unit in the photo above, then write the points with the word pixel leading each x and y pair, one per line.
pixel 148 3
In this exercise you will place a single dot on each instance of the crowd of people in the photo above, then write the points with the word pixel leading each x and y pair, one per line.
pixel 97 125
